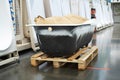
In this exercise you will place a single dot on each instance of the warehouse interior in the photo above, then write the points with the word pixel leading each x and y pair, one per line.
pixel 59 30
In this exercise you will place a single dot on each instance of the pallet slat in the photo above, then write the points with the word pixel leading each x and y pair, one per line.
pixel 77 54
pixel 52 59
pixel 37 55
pixel 87 58
pixel 14 56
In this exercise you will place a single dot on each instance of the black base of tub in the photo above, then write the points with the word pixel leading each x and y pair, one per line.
pixel 63 41
pixel 58 45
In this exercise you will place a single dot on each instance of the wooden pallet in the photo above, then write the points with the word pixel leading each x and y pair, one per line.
pixel 83 57
pixel 8 58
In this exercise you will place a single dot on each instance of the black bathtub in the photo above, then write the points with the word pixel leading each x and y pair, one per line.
pixel 60 40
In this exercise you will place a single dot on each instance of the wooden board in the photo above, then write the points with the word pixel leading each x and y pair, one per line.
pixel 8 58
pixel 83 57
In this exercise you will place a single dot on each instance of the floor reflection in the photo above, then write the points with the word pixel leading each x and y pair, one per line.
pixel 108 57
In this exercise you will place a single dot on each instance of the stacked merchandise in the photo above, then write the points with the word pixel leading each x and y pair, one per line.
pixel 34 8
pixel 65 7
pixel 53 8
pixel 110 14
pixel 81 8
pixel 107 12
pixel 17 17
pixel 99 15
pixel 48 8
pixel 74 6
pixel 103 13
pixel 87 8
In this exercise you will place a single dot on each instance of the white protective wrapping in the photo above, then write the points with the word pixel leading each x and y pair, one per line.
pixel 107 14
pixel 101 14
pixel 74 6
pixel 87 9
pixel 81 8
pixel 104 8
pixel 110 13
pixel 98 13
pixel 53 8
pixel 6 26
pixel 35 8
pixel 65 4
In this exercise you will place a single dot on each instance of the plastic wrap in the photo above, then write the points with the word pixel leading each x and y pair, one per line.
pixel 63 40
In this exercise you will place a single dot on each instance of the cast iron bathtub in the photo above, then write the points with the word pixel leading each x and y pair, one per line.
pixel 63 40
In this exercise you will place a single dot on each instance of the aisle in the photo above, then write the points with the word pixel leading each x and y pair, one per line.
pixel 116 31
pixel 105 67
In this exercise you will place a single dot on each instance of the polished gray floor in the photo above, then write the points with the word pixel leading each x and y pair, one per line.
pixel 106 65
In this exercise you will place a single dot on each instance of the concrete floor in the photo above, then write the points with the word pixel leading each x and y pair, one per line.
pixel 106 65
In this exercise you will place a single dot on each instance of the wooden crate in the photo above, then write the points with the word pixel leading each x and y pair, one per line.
pixel 83 57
